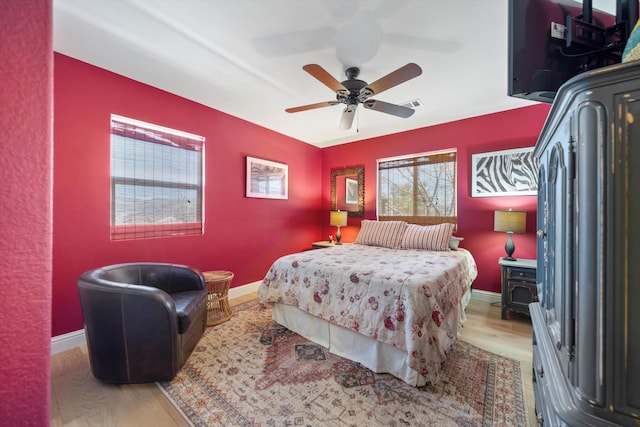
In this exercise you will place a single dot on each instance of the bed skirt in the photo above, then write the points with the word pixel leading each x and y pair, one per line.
pixel 375 355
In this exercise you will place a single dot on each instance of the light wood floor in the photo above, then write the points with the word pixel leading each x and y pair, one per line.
pixel 78 399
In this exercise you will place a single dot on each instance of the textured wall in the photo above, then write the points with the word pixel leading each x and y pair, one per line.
pixel 26 62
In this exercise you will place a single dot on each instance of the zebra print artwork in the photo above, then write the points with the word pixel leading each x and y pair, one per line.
pixel 504 173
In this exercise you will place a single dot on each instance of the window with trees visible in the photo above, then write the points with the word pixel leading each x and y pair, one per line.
pixel 419 189
pixel 156 181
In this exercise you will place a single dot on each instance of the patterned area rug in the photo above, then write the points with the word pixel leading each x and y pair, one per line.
pixel 250 371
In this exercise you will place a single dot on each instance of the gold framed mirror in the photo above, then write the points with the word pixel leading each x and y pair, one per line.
pixel 347 190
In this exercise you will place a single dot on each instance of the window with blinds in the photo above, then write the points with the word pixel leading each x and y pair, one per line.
pixel 156 181
pixel 419 189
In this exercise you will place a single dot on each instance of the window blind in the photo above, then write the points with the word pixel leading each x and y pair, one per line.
pixel 156 181
pixel 419 189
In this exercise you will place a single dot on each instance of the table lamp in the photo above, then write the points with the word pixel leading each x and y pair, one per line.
pixel 338 219
pixel 512 222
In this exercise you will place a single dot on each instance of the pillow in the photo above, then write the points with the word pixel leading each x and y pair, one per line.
pixel 429 237
pixel 381 233
pixel 454 242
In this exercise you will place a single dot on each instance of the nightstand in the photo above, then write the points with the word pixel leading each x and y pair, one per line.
pixel 519 287
pixel 323 244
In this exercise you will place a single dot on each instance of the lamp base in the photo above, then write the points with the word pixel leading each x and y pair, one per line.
pixel 338 236
pixel 509 247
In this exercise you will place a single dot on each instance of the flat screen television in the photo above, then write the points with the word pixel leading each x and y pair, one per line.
pixel 551 41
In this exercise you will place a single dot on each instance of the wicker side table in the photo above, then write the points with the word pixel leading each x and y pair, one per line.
pixel 218 308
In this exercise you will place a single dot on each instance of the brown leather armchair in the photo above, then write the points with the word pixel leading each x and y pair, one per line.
pixel 142 320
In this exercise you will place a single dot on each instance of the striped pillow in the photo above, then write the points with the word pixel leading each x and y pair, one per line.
pixel 381 233
pixel 429 237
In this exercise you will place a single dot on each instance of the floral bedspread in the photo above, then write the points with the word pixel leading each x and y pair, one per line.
pixel 398 296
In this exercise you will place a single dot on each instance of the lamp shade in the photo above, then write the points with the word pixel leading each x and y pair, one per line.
pixel 338 218
pixel 510 221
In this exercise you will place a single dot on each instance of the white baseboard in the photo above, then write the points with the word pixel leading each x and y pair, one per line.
pixel 486 296
pixel 67 341
pixel 77 338
pixel 243 290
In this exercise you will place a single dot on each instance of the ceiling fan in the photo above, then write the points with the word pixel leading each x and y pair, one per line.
pixel 354 91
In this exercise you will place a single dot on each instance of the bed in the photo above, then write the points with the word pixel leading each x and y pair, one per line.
pixel 395 308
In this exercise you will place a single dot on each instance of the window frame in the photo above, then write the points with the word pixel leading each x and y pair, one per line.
pixel 163 136
pixel 419 219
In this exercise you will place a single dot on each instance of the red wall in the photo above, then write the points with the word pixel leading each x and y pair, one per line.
pixel 26 79
pixel 243 235
pixel 510 129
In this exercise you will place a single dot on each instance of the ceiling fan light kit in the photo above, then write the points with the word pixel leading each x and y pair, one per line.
pixel 354 91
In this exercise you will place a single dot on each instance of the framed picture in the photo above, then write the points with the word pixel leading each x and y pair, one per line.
pixel 504 173
pixel 351 191
pixel 267 179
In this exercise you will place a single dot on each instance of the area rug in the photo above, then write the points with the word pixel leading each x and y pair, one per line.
pixel 250 371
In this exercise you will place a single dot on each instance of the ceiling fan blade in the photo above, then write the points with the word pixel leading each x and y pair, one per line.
pixel 347 116
pixel 293 43
pixel 311 106
pixel 325 78
pixel 385 107
pixel 392 79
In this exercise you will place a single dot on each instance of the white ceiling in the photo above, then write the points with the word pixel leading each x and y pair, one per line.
pixel 245 57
